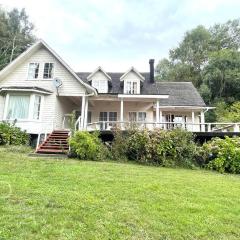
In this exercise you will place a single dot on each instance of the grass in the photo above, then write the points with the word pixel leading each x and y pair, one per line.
pixel 70 199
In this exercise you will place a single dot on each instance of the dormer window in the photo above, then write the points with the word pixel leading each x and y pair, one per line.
pixel 48 71
pixel 100 85
pixel 33 70
pixel 131 87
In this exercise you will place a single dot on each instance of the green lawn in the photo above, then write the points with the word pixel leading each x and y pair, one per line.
pixel 68 199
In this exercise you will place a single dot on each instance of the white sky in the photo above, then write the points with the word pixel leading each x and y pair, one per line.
pixel 118 34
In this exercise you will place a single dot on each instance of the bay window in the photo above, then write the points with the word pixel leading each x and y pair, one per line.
pixel 22 106
pixel 33 70
pixel 18 107
pixel 37 107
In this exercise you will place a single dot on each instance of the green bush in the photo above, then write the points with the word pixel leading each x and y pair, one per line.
pixel 119 145
pixel 12 135
pixel 88 146
pixel 222 155
pixel 159 147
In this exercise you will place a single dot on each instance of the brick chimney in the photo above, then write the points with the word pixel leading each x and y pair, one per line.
pixel 151 63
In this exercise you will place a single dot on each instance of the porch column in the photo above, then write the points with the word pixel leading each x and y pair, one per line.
pixel 202 121
pixel 121 113
pixel 193 119
pixel 86 113
pixel 82 112
pixel 161 118
pixel 157 114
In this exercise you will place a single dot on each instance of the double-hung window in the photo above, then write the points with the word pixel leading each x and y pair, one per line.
pixel 131 87
pixel 18 107
pixel 48 70
pixel 33 70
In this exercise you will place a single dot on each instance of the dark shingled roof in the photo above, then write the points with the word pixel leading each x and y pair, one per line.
pixel 180 93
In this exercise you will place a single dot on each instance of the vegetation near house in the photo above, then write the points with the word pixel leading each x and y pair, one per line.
pixel 16 35
pixel 222 155
pixel 87 146
pixel 210 58
pixel 12 135
pixel 174 148
pixel 70 199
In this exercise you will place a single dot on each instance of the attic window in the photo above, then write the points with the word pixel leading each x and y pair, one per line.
pixel 100 85
pixel 131 87
pixel 33 70
pixel 48 70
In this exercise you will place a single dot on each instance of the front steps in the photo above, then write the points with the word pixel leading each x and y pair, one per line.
pixel 56 143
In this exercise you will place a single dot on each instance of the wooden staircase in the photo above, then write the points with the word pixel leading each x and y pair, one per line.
pixel 56 143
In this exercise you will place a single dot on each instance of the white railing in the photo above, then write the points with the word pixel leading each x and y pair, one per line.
pixel 192 127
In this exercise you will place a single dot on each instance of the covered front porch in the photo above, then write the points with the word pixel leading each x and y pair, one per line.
pixel 124 111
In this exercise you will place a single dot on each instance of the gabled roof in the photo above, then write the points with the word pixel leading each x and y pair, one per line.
pixel 99 69
pixel 132 69
pixel 180 93
pixel 32 50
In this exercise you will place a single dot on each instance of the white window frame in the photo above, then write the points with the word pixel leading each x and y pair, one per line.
pixel 105 126
pixel 137 115
pixel 131 90
pixel 30 108
pixel 39 65
pixel 101 85
pixel 53 72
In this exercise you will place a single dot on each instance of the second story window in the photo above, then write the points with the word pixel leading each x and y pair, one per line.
pixel 100 85
pixel 131 87
pixel 33 70
pixel 48 70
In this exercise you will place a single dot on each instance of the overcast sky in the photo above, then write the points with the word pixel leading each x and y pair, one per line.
pixel 118 34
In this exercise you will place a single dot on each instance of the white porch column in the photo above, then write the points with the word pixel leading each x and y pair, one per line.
pixel 86 114
pixel 121 113
pixel 193 120
pixel 157 114
pixel 82 112
pixel 161 119
pixel 202 121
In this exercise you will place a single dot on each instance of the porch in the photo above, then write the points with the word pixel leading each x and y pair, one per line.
pixel 104 113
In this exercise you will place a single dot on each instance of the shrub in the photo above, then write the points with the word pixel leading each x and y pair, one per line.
pixel 88 146
pixel 12 135
pixel 222 155
pixel 119 145
pixel 159 147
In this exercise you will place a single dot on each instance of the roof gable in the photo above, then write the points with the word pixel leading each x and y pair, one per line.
pixel 99 69
pixel 30 51
pixel 132 69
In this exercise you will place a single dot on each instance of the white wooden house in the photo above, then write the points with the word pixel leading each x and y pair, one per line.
pixel 40 90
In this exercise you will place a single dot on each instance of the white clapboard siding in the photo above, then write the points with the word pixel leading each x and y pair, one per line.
pixel 51 112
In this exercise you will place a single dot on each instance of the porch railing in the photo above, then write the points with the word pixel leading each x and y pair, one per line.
pixel 192 127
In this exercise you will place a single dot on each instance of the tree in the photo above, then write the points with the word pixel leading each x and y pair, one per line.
pixel 228 113
pixel 16 35
pixel 209 58
pixel 222 75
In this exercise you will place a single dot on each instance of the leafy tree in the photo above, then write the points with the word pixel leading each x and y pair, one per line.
pixel 210 59
pixel 16 35
pixel 222 74
pixel 228 113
